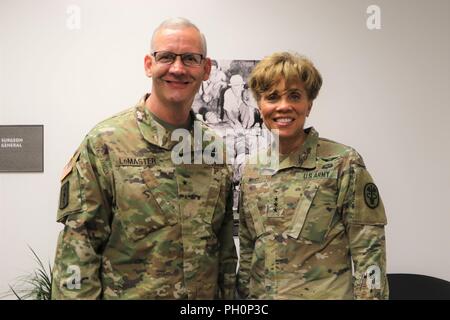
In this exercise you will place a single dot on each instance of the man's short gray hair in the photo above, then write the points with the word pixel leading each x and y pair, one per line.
pixel 179 23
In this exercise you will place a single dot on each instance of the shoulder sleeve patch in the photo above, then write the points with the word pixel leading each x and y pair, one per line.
pixel 70 195
pixel 367 206
pixel 64 195
pixel 371 195
pixel 69 166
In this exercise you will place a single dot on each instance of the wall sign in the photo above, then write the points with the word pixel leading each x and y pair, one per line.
pixel 22 148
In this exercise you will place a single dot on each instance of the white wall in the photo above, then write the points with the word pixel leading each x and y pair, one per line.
pixel 385 92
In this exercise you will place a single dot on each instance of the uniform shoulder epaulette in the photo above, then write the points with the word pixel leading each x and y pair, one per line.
pixel 330 148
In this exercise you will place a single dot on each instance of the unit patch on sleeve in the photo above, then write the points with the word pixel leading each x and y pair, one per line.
pixel 371 195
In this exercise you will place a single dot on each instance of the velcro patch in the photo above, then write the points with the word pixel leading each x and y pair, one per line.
pixel 136 162
pixel 371 195
pixel 64 196
pixel 368 206
pixel 66 170
pixel 69 166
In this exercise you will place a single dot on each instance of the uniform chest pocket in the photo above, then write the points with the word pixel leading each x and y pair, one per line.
pixel 257 225
pixel 202 207
pixel 146 200
pixel 199 188
pixel 313 214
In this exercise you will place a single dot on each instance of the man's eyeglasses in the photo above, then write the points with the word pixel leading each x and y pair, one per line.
pixel 189 59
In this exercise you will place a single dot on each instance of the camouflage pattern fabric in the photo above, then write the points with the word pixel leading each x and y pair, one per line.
pixel 304 222
pixel 136 226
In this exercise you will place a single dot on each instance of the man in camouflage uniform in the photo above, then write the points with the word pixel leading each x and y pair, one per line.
pixel 138 224
pixel 306 221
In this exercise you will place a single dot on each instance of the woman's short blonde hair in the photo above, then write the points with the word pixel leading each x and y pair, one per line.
pixel 291 67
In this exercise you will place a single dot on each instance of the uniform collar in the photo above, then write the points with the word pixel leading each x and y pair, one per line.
pixel 157 134
pixel 304 157
pixel 150 129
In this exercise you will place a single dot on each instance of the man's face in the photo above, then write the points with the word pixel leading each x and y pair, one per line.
pixel 176 84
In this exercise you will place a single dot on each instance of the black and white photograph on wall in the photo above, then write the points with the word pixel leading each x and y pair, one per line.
pixel 224 100
pixel 226 104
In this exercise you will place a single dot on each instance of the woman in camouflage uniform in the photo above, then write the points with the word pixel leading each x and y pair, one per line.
pixel 311 226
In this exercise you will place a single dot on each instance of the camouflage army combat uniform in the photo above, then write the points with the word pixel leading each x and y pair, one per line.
pixel 137 226
pixel 302 225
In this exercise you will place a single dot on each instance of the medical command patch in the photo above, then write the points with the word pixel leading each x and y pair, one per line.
pixel 371 195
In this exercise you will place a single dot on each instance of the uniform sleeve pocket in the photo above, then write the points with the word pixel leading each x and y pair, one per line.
pixel 69 196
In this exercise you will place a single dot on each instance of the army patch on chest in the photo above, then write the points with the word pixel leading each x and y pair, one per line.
pixel 136 162
pixel 371 195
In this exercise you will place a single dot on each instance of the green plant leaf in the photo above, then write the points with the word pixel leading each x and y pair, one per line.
pixel 36 285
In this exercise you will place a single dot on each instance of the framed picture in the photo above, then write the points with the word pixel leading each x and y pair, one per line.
pixel 21 148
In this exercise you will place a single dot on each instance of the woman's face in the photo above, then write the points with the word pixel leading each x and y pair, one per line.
pixel 285 109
